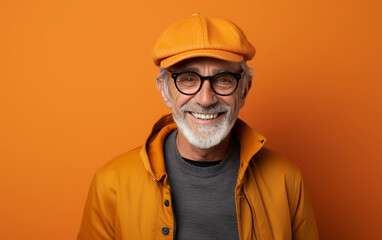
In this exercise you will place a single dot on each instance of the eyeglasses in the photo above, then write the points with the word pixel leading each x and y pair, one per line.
pixel 189 83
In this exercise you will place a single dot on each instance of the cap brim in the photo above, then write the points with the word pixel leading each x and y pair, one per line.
pixel 213 53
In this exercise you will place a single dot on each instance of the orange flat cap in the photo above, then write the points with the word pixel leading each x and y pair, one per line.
pixel 202 36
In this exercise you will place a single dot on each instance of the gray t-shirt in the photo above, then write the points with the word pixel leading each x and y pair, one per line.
pixel 203 197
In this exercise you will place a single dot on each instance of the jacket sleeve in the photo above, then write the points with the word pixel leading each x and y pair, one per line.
pixel 303 221
pixel 98 216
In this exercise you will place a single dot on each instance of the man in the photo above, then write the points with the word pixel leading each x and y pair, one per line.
pixel 203 173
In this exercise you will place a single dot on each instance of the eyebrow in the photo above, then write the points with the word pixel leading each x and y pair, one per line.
pixel 197 70
pixel 223 71
pixel 189 70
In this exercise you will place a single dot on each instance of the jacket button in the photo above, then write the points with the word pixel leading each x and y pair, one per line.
pixel 165 230
pixel 167 203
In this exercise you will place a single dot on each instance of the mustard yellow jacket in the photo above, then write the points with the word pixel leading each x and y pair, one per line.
pixel 129 197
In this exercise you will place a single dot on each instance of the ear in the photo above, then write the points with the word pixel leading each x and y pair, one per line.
pixel 160 87
pixel 247 87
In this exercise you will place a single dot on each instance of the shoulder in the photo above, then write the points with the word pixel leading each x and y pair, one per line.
pixel 124 166
pixel 281 188
pixel 276 175
pixel 271 164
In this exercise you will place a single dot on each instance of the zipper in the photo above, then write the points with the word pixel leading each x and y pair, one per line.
pixel 250 207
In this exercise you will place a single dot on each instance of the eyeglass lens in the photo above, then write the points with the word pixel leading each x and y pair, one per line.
pixel 222 83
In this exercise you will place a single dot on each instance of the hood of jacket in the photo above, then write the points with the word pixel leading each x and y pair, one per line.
pixel 152 152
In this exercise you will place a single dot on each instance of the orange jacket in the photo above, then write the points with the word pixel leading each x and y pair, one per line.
pixel 127 197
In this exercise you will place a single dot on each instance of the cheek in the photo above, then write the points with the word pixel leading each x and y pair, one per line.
pixel 235 103
pixel 173 94
pixel 239 100
pixel 179 99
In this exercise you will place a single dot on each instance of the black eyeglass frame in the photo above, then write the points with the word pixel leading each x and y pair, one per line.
pixel 175 75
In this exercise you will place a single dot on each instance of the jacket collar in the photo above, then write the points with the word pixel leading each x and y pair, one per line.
pixel 152 152
pixel 250 143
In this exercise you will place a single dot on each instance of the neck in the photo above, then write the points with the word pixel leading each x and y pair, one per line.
pixel 189 151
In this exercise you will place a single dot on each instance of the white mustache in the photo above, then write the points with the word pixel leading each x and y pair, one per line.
pixel 216 108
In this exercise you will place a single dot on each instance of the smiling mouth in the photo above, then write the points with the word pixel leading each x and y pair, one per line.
pixel 205 116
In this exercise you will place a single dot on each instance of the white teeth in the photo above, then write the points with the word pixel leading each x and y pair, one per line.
pixel 204 116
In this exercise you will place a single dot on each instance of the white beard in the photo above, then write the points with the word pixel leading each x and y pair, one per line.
pixel 205 136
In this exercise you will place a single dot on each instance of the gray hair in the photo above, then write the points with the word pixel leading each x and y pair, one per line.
pixel 247 76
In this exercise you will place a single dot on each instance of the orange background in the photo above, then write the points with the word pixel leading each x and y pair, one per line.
pixel 77 87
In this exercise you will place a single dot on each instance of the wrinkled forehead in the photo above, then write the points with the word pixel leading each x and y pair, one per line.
pixel 204 64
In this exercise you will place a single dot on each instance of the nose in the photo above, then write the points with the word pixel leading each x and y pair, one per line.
pixel 206 96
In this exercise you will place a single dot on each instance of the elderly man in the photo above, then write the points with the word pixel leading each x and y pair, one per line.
pixel 202 173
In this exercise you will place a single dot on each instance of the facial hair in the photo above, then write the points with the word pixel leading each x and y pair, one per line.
pixel 205 136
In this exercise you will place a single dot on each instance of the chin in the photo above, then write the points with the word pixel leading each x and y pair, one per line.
pixel 204 136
